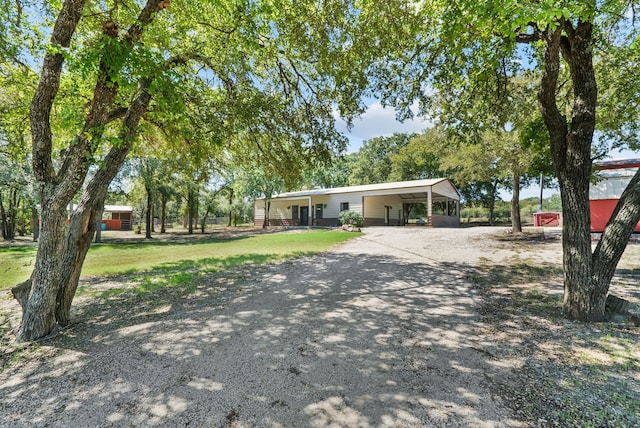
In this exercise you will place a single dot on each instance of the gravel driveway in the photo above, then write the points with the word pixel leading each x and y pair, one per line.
pixel 382 331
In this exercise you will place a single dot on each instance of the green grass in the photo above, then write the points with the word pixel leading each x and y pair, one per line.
pixel 16 263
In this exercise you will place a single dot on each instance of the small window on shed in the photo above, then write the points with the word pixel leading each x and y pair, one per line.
pixel 344 206
pixel 294 212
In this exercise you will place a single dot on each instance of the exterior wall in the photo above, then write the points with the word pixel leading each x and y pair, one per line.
pixel 117 220
pixel 605 194
pixel 258 212
pixel 371 203
pixel 331 207
pixel 601 210
pixel 611 187
pixel 280 212
pixel 374 210
pixel 445 188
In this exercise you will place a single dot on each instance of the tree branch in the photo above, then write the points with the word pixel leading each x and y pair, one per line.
pixel 48 86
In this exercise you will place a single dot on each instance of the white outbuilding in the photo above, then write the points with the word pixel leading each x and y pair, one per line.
pixel 383 204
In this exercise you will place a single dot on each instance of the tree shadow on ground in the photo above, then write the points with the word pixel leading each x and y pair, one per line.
pixel 571 373
pixel 342 339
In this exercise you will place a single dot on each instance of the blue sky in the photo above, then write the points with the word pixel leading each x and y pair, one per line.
pixel 378 121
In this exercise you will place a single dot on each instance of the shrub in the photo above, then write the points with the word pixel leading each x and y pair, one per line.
pixel 351 218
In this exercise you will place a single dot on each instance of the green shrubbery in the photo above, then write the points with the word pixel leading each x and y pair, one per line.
pixel 351 218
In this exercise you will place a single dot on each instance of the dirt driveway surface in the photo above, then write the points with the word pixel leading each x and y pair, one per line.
pixel 382 331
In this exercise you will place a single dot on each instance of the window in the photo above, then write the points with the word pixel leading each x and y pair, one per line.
pixel 294 212
pixel 344 206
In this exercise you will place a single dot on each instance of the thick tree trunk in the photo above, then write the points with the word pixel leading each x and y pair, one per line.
pixel 616 234
pixel 83 223
pixel 56 187
pixel 82 228
pixel 38 318
pixel 584 297
pixel 35 223
pixel 516 222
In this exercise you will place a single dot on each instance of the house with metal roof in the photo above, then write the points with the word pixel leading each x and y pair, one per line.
pixel 383 204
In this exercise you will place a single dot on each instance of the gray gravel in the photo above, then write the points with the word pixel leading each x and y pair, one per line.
pixel 382 331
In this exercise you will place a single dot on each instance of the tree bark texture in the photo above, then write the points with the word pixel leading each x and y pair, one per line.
pixel 148 214
pixel 230 206
pixel 84 221
pixel 35 223
pixel 587 276
pixel 190 207
pixel 62 249
pixel 516 222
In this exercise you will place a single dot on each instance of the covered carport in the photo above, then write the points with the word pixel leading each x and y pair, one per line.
pixel 432 202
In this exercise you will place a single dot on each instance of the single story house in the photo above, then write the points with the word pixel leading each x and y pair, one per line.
pixel 117 217
pixel 614 176
pixel 383 204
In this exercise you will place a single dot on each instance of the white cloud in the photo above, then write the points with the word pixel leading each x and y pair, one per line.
pixel 379 121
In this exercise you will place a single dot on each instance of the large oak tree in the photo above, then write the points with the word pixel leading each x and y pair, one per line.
pixel 466 52
pixel 191 66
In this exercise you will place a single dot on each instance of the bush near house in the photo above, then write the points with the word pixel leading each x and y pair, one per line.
pixel 351 218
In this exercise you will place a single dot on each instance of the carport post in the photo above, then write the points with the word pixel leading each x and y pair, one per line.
pixel 429 204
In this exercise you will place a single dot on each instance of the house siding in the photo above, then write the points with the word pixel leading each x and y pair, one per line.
pixel 374 210
pixel 374 202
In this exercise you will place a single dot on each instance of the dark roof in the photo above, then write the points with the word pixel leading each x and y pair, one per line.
pixel 617 164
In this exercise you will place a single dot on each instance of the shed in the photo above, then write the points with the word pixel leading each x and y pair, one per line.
pixel 117 217
pixel 614 176
pixel 383 204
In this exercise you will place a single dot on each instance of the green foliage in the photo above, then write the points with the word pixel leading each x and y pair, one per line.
pixel 419 158
pixel 373 163
pixel 351 218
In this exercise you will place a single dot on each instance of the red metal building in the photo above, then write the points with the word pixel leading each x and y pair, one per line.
pixel 614 175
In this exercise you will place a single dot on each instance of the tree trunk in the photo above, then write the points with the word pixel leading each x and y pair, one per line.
pixel 190 204
pixel 265 222
pixel 492 202
pixel 148 214
pixel 163 214
pixel 56 187
pixel 98 226
pixel 3 220
pixel 82 228
pixel 516 222
pixel 230 206
pixel 153 217
pixel 584 298
pixel 38 317
pixel 204 220
pixel 35 223
pixel 85 218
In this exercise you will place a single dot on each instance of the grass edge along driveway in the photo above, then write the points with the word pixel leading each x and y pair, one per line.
pixel 16 263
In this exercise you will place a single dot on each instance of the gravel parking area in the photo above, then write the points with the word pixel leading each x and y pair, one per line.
pixel 382 331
